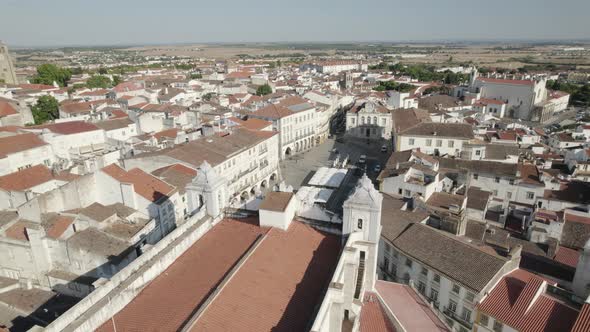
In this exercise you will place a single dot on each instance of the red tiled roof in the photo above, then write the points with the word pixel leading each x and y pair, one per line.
pixel 116 114
pixel 18 231
pixel 176 168
pixel 273 111
pixel 583 321
pixel 144 184
pixel 18 143
pixel 252 123
pixel 504 81
pixel 172 297
pixel 373 316
pixel 411 311
pixel 570 217
pixel 567 256
pixel 514 302
pixel 279 286
pixel 68 128
pixel 487 101
pixel 59 226
pixel 6 109
pixel 168 133
pixel 37 87
pixel 26 179
pixel 239 75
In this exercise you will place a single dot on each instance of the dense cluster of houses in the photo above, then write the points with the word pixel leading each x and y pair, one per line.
pixel 472 205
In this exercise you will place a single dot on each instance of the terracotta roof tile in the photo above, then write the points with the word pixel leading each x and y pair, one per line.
pixel 567 256
pixel 583 321
pixel 515 302
pixel 279 286
pixel 146 185
pixel 58 226
pixel 26 179
pixel 169 300
pixel 18 143
pixel 6 109
pixel 373 316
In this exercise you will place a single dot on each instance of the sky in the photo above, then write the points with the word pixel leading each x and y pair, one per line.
pixel 131 22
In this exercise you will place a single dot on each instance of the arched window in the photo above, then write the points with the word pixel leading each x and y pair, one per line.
pixel 360 224
pixel 374 120
pixel 362 120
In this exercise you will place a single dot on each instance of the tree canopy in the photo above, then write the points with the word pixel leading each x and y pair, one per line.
pixel 391 85
pixel 263 90
pixel 49 73
pixel 98 81
pixel 45 109
pixel 579 94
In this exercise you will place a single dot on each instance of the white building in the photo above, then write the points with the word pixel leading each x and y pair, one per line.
pixel 369 119
pixel 436 138
pixel 296 120
pixel 21 151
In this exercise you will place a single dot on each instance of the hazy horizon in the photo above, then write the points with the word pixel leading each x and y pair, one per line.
pixel 35 23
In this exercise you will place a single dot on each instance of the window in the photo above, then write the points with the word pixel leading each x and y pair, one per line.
pixel 434 295
pixel 452 306
pixel 438 143
pixel 451 144
pixel 495 193
pixel 483 320
pixel 511 181
pixel 497 179
pixel 530 195
pixel 385 263
pixel 477 152
pixel 497 326
pixel 469 296
pixel 475 176
pixel 408 193
pixel 360 224
pixel 436 278
pixel 411 141
pixel 466 315
pixel 424 271
pixel 352 120
pixel 421 287
pixel 400 191
pixel 408 262
pixel 508 195
pixel 387 248
pixel 429 142
pixel 456 289
pixel 383 121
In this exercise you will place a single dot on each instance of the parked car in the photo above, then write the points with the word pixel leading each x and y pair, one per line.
pixel 363 159
pixel 377 168
pixel 384 149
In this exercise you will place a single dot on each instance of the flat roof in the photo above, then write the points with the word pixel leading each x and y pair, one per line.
pixel 170 299
pixel 328 177
pixel 279 286
pixel 313 195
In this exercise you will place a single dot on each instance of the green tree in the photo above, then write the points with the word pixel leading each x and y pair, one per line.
pixel 196 76
pixel 98 81
pixel 208 96
pixel 45 109
pixel 116 80
pixel 49 73
pixel 391 85
pixel 263 90
pixel 102 71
